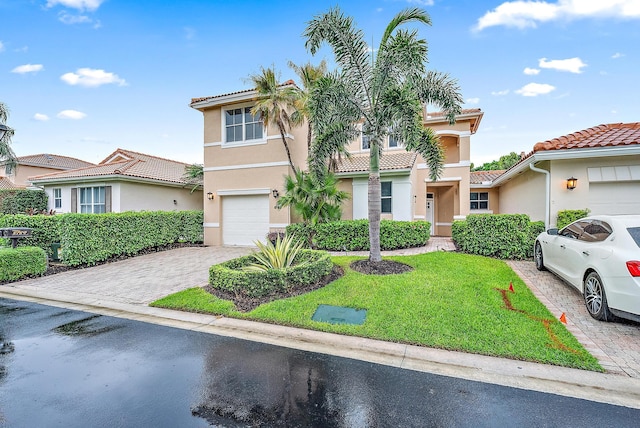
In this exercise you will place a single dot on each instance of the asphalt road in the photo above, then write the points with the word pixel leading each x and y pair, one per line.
pixel 74 369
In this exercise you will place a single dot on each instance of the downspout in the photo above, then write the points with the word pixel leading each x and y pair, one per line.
pixel 547 192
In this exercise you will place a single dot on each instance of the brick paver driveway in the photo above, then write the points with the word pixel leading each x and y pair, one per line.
pixel 615 344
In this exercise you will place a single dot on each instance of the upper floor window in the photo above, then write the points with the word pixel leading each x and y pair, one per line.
pixel 57 198
pixel 365 142
pixel 92 200
pixel 385 192
pixel 241 125
pixel 8 169
pixel 479 200
pixel 394 143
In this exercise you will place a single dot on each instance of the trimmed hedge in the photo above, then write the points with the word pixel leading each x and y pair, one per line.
pixel 46 229
pixel 20 201
pixel 569 216
pixel 353 235
pixel 505 236
pixel 230 277
pixel 16 263
pixel 91 238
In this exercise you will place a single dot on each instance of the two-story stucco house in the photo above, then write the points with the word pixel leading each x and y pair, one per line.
pixel 245 164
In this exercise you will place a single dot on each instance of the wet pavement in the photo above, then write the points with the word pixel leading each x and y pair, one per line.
pixel 61 367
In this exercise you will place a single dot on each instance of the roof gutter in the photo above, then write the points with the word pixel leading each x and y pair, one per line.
pixel 546 191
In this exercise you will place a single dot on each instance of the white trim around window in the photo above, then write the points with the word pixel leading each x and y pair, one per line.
pixel 57 198
pixel 239 127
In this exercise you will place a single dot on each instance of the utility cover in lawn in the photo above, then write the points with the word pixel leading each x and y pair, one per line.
pixel 339 315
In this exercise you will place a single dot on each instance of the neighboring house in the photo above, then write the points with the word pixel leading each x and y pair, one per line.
pixel 27 166
pixel 123 181
pixel 245 164
pixel 603 161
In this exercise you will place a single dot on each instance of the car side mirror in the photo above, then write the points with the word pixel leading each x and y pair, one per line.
pixel 552 231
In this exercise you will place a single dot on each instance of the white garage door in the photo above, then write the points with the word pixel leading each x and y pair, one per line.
pixel 614 198
pixel 245 219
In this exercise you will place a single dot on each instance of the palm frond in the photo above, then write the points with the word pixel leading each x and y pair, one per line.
pixel 442 91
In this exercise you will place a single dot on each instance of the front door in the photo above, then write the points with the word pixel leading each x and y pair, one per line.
pixel 431 202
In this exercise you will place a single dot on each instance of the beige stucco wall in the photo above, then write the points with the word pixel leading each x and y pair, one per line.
pixel 22 173
pixel 149 197
pixel 524 194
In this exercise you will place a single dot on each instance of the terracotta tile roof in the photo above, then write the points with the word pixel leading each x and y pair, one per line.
pixel 479 177
pixel 200 99
pixel 388 161
pixel 464 111
pixel 52 161
pixel 6 184
pixel 613 134
pixel 129 164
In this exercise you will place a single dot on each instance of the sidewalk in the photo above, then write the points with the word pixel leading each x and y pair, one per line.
pixel 125 288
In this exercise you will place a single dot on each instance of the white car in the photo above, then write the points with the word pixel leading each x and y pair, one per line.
pixel 600 256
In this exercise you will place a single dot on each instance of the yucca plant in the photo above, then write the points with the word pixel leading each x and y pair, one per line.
pixel 278 256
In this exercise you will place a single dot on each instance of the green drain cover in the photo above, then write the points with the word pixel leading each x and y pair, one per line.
pixel 339 315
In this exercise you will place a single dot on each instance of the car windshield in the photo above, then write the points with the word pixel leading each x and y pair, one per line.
pixel 635 234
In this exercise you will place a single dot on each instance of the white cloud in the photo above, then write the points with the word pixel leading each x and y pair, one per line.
pixel 69 19
pixel 27 68
pixel 76 4
pixel 500 93
pixel 71 114
pixel 472 100
pixel 90 77
pixel 617 55
pixel 421 2
pixel 535 89
pixel 41 117
pixel 572 65
pixel 1 46
pixel 527 14
pixel 531 71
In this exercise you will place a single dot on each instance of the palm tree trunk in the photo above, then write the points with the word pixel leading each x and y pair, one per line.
pixel 284 142
pixel 375 202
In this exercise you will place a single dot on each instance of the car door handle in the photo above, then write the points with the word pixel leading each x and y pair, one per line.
pixel 562 246
pixel 586 253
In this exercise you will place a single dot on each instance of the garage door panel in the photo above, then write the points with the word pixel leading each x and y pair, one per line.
pixel 614 198
pixel 245 219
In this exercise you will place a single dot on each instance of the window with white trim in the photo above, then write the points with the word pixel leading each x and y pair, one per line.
pixel 8 169
pixel 92 200
pixel 57 198
pixel 394 143
pixel 479 200
pixel 385 192
pixel 241 125
pixel 365 142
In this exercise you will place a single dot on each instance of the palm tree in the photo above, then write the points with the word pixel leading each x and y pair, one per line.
pixel 386 90
pixel 194 175
pixel 274 103
pixel 7 156
pixel 317 200
pixel 309 75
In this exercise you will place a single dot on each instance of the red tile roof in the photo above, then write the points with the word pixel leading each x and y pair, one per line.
pixel 6 184
pixel 129 164
pixel 200 99
pixel 52 161
pixel 388 161
pixel 479 177
pixel 613 134
pixel 463 111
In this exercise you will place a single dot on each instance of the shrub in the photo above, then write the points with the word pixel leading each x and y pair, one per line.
pixel 569 216
pixel 16 263
pixel 280 255
pixel 45 229
pixel 505 236
pixel 91 238
pixel 310 266
pixel 20 201
pixel 353 235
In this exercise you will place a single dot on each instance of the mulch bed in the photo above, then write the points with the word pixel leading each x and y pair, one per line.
pixel 384 267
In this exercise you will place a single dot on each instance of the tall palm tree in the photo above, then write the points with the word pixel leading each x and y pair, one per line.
pixel 386 90
pixel 274 104
pixel 309 75
pixel 7 156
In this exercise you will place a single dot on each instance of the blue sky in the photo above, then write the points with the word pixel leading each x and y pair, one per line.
pixel 84 77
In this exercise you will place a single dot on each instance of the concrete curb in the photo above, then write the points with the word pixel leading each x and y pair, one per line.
pixel 604 388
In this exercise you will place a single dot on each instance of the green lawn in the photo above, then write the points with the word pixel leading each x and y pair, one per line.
pixel 450 301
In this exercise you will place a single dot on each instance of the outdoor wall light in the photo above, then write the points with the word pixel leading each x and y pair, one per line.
pixel 275 193
pixel 210 196
pixel 3 130
pixel 572 183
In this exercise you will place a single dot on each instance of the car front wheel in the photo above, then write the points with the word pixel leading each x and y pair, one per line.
pixel 595 298
pixel 537 255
